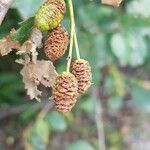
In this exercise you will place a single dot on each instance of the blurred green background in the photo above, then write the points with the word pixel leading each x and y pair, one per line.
pixel 115 113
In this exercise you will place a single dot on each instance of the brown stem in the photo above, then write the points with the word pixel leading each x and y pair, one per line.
pixel 10 111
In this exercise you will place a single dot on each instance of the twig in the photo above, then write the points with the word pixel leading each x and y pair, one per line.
pixel 45 110
pixel 73 36
pixel 99 121
pixel 11 111
pixel 4 6
pixel 72 26
pixel 76 45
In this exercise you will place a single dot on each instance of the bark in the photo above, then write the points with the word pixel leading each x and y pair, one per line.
pixel 4 6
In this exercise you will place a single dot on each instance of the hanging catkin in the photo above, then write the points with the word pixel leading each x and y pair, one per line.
pixel 50 15
pixel 81 69
pixel 56 43
pixel 65 92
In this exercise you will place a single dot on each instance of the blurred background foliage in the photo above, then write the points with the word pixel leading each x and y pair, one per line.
pixel 116 43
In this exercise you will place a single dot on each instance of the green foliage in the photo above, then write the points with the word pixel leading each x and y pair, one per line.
pixel 129 48
pixel 10 88
pixel 28 114
pixel 80 145
pixel 141 97
pixel 56 121
pixel 104 16
pixel 115 141
pixel 23 33
pixel 87 105
pixel 27 8
pixel 39 134
pixel 9 22
pixel 115 103
pixel 134 7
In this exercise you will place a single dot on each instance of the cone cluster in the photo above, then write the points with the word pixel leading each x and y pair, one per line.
pixel 65 92
pixel 68 87
pixel 48 18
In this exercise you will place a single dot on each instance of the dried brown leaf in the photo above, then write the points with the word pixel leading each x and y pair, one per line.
pixel 36 37
pixel 20 61
pixel 115 3
pixel 29 48
pixel 7 45
pixel 35 73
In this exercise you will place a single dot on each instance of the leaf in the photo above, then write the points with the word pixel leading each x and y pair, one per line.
pixel 36 37
pixel 29 48
pixel 10 83
pixel 120 50
pixel 41 128
pixel 57 121
pixel 35 73
pixel 36 136
pixel 7 45
pixel 23 33
pixel 140 98
pixel 88 105
pixel 80 145
pixel 139 7
pixel 28 114
pixel 129 48
pixel 118 80
pixel 27 8
pixel 115 103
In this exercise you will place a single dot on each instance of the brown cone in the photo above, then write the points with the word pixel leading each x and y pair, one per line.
pixel 65 92
pixel 56 43
pixel 60 4
pixel 81 69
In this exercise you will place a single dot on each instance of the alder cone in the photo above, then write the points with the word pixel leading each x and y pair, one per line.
pixel 65 92
pixel 48 17
pixel 81 69
pixel 56 43
pixel 60 4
